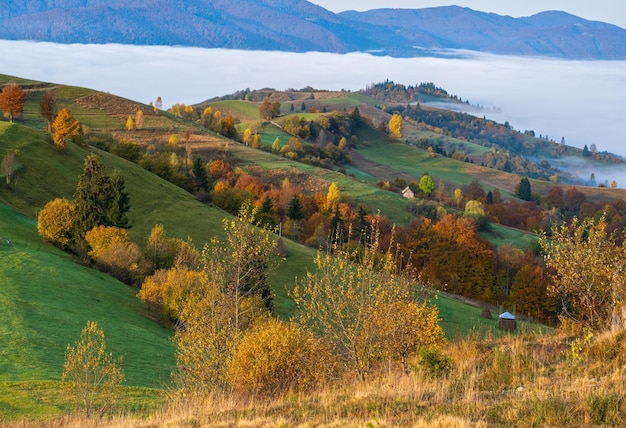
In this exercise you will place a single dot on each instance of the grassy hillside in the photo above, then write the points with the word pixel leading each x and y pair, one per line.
pixel 47 299
pixel 45 174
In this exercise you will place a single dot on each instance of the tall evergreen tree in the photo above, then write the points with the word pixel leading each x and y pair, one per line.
pixel 120 201
pixel 361 226
pixel 265 215
pixel 295 212
pixel 337 228
pixel 99 198
pixel 200 176
pixel 523 189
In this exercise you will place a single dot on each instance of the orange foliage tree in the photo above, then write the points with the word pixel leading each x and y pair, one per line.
pixel 64 127
pixel 12 100
pixel 47 108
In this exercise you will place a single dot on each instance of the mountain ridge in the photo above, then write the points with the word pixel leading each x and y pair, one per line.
pixel 301 26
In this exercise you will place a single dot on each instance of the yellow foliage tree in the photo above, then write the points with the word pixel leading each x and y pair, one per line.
pixel 169 290
pixel 162 249
pixel 357 306
pixel 247 136
pixel 589 273
pixel 130 124
pixel 139 118
pixel 113 250
pixel 257 143
pixel 217 312
pixel 64 127
pixel 395 127
pixel 101 238
pixel 276 357
pixel 55 222
pixel 332 197
pixel 91 374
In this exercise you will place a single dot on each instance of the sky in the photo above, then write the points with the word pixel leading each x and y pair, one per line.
pixel 612 11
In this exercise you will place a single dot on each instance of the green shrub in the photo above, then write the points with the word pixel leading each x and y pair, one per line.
pixel 433 362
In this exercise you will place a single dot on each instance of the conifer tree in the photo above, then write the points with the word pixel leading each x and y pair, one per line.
pixel 200 175
pixel 295 212
pixel 99 198
pixel 523 189
pixel 120 201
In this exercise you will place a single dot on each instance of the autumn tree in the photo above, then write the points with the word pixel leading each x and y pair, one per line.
pixel 589 271
pixel 139 119
pixel 276 146
pixel 64 127
pixel 130 124
pixel 47 108
pixel 247 136
pixel 355 306
pixel 169 291
pixel 12 100
pixel 114 252
pixel 161 249
pixel 55 222
pixel 241 263
pixel 92 374
pixel 332 197
pixel 426 184
pixel 476 211
pixel 276 357
pixel 257 142
pixel 217 312
pixel 395 127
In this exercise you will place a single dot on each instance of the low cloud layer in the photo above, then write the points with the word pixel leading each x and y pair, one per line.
pixel 579 100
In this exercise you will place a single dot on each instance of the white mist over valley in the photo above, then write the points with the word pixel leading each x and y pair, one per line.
pixel 581 101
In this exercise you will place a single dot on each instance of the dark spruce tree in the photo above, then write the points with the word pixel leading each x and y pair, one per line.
pixel 265 215
pixel 523 189
pixel 200 175
pixel 120 201
pixel 295 212
pixel 99 199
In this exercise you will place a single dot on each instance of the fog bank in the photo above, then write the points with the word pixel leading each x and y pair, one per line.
pixel 578 100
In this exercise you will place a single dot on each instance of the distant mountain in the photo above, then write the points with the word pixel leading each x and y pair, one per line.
pixel 300 26
pixel 552 33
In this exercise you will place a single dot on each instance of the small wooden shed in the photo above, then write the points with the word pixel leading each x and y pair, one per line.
pixel 408 193
pixel 506 321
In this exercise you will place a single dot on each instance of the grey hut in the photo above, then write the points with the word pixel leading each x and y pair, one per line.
pixel 506 321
